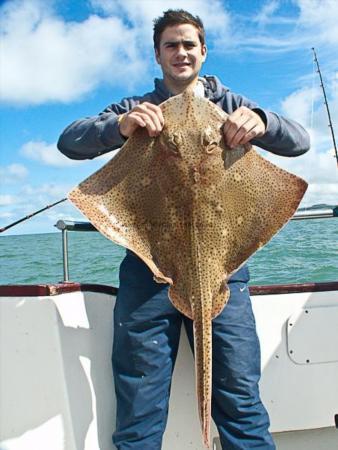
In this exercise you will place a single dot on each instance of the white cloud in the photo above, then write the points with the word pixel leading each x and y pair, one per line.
pixel 7 199
pixel 141 14
pixel 320 15
pixel 318 166
pixel 298 105
pixel 47 154
pixel 13 173
pixel 228 31
pixel 73 58
pixel 318 169
pixel 29 199
pixel 6 215
pixel 321 193
pixel 70 58
pixel 306 105
pixel 315 25
pixel 50 190
pixel 266 13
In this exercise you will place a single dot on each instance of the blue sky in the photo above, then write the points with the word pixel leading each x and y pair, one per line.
pixel 62 60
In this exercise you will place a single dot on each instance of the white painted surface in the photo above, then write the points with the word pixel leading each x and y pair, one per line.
pixel 312 335
pixel 55 362
pixel 319 439
pixel 56 381
pixel 51 431
pixel 297 396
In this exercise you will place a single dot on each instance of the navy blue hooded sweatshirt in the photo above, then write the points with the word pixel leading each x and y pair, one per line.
pixel 90 137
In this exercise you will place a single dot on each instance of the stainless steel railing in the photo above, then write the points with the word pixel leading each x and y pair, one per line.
pixel 65 226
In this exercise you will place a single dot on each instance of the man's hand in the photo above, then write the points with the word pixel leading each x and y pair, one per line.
pixel 241 126
pixel 145 115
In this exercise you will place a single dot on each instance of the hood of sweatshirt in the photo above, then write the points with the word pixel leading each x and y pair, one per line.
pixel 213 88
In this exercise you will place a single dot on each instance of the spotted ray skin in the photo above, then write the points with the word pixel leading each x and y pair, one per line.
pixel 193 211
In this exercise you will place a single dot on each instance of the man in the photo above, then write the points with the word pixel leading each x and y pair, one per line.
pixel 143 312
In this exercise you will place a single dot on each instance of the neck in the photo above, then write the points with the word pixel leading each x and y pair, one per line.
pixel 178 87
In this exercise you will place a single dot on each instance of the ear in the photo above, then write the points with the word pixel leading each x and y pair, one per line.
pixel 204 51
pixel 157 56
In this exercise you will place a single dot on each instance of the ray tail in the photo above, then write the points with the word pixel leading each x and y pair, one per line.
pixel 203 364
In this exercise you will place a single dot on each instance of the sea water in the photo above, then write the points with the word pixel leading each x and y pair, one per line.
pixel 303 251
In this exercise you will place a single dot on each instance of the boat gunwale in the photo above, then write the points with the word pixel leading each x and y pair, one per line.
pixel 46 290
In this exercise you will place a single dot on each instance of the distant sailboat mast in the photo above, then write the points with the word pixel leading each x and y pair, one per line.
pixel 326 104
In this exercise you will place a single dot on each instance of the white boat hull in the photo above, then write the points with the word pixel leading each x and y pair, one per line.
pixel 56 384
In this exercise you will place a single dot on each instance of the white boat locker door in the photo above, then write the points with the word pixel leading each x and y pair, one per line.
pixel 313 335
pixel 299 335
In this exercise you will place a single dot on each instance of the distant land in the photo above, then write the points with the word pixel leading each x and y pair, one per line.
pixel 318 206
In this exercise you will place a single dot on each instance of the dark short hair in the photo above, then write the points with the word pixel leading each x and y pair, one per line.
pixel 173 17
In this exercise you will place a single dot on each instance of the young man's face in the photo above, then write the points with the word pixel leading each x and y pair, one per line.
pixel 180 54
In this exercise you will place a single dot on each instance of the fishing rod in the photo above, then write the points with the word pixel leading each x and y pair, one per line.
pixel 31 215
pixel 326 104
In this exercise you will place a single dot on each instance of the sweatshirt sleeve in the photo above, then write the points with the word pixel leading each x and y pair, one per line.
pixel 92 136
pixel 284 137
